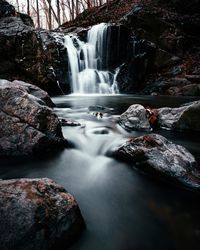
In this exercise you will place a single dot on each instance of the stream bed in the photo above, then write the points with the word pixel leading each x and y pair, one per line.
pixel 123 209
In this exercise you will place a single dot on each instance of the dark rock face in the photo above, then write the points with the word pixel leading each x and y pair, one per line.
pixel 176 40
pixel 163 41
pixel 37 214
pixel 138 64
pixel 27 20
pixel 28 125
pixel 155 154
pixel 192 6
pixel 6 9
pixel 188 90
pixel 118 46
pixel 30 54
pixel 135 118
pixel 183 118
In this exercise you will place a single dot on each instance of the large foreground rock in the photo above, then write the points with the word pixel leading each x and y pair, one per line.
pixel 155 154
pixel 27 125
pixel 37 214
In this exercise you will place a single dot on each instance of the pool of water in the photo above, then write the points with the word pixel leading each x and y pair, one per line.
pixel 123 209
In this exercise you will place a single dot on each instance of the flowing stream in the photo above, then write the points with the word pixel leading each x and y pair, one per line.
pixel 123 209
pixel 88 61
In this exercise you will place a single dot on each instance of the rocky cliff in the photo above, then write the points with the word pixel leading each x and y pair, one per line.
pixel 30 54
pixel 163 47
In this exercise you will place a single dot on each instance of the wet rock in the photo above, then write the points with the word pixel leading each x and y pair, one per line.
pixel 27 20
pixel 31 89
pixel 165 59
pixel 6 9
pixel 176 70
pixel 183 118
pixel 196 70
pixel 168 86
pixel 193 78
pixel 70 123
pixel 32 55
pixel 132 73
pixel 37 214
pixel 28 125
pixel 155 154
pixel 135 118
pixel 188 90
pixel 118 46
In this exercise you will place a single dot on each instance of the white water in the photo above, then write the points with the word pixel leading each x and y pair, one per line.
pixel 87 61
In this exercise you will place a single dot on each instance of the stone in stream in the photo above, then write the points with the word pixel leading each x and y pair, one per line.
pixel 135 118
pixel 185 117
pixel 154 154
pixel 69 123
pixel 37 214
pixel 27 125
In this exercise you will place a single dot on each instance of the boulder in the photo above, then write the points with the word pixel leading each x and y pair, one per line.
pixel 188 90
pixel 155 154
pixel 185 117
pixel 37 214
pixel 28 125
pixel 33 55
pixel 135 118
pixel 31 89
pixel 6 9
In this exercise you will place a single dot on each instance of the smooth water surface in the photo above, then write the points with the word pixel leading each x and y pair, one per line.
pixel 123 209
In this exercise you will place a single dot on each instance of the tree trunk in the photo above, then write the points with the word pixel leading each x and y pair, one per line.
pixel 38 13
pixel 28 7
pixel 58 12
pixel 17 2
pixel 50 18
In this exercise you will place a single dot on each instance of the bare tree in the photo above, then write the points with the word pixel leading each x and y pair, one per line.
pixel 38 13
pixel 28 7
pixel 51 13
pixel 58 12
pixel 17 3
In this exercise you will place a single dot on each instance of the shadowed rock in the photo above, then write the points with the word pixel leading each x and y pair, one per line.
pixel 156 155
pixel 30 54
pixel 28 125
pixel 185 117
pixel 37 214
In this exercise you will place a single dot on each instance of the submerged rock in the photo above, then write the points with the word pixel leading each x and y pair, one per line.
pixel 135 118
pixel 155 154
pixel 37 214
pixel 70 123
pixel 28 125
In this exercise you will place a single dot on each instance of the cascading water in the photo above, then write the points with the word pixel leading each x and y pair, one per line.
pixel 87 62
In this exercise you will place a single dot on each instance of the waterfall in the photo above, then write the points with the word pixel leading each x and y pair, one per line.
pixel 87 62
